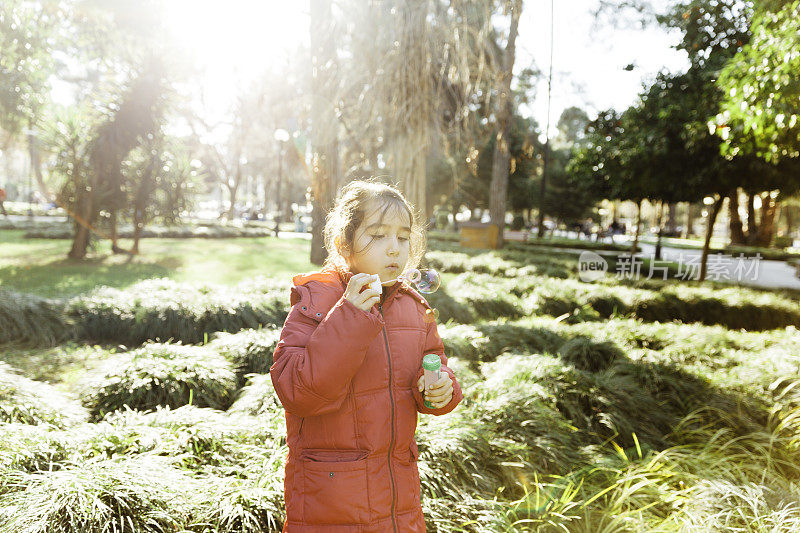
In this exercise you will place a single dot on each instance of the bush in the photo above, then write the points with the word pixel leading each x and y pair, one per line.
pixel 249 350
pixel 257 398
pixel 485 341
pixel 31 448
pixel 160 374
pixel 32 320
pixel 31 402
pixel 142 493
pixel 163 310
pixel 238 506
pixel 589 356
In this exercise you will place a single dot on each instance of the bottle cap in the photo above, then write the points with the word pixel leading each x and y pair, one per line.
pixel 431 362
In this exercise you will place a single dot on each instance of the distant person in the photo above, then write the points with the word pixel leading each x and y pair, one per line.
pixel 3 199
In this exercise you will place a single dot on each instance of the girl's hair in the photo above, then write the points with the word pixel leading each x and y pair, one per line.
pixel 349 211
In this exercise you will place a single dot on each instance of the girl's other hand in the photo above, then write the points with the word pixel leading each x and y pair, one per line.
pixel 441 391
pixel 366 299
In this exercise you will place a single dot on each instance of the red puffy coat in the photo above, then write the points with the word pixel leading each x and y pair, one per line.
pixel 352 461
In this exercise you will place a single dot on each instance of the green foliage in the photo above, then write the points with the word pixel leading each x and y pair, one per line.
pixel 32 320
pixel 162 309
pixel 31 402
pixel 28 32
pixel 588 407
pixel 760 113
pixel 258 398
pixel 160 374
pixel 142 493
pixel 589 356
pixel 250 351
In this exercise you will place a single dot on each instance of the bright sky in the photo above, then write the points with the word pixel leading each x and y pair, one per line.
pixel 588 63
pixel 239 39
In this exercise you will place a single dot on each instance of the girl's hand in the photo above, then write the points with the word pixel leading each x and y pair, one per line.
pixel 366 299
pixel 440 393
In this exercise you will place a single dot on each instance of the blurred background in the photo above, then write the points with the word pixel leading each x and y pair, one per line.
pixel 675 118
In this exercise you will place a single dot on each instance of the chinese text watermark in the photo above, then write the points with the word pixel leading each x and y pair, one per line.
pixel 719 267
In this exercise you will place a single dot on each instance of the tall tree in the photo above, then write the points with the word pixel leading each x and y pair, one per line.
pixel 138 115
pixel 326 171
pixel 503 112
pixel 29 32
pixel 761 110
pixel 417 74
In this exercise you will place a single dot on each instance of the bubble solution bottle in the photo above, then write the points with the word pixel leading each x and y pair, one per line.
pixel 432 365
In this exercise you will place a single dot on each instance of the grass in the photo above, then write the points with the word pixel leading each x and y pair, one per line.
pixel 163 310
pixel 160 374
pixel 588 407
pixel 41 266
pixel 33 402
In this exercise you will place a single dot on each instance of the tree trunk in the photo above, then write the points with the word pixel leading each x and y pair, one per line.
pixel 638 225
pixel 502 154
pixel 408 161
pixel 146 188
pixel 689 220
pixel 672 217
pixel 233 190
pixel 86 211
pixel 737 233
pixel 325 177
pixel 138 226
pixel 660 229
pixel 712 218
pixel 752 227
pixel 83 216
pixel 113 231
pixel 770 207
pixel 36 165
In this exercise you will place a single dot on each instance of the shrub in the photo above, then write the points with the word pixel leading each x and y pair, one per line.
pixel 249 350
pixel 142 493
pixel 31 402
pixel 258 398
pixel 485 341
pixel 160 374
pixel 161 309
pixel 32 320
pixel 31 448
pixel 589 356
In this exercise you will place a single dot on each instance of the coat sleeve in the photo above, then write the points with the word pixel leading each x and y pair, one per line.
pixel 315 360
pixel 433 344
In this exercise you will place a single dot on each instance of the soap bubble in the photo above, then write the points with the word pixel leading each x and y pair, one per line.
pixel 427 280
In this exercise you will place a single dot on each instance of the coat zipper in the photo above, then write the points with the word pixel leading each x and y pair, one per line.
pixel 391 400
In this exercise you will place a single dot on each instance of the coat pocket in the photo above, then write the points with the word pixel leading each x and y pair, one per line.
pixel 335 486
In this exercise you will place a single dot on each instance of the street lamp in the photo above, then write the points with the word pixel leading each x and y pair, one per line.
pixel 281 135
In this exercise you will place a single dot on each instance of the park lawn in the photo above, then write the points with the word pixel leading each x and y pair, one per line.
pixel 41 266
pixel 570 422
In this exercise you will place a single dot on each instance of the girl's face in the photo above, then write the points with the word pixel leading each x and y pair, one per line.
pixel 381 247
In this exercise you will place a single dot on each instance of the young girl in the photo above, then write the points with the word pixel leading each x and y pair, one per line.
pixel 348 371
